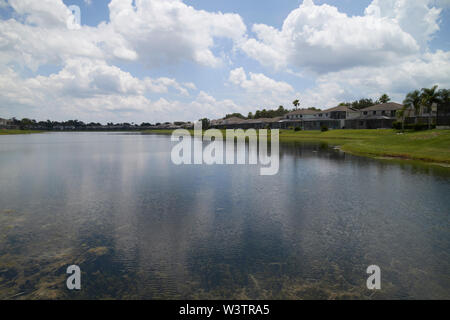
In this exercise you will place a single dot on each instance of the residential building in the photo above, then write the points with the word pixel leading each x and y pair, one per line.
pixel 5 123
pixel 238 123
pixel 375 117
pixel 333 118
pixel 443 116
pixel 340 117
pixel 301 114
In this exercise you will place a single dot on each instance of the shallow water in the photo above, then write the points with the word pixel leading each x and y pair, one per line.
pixel 140 227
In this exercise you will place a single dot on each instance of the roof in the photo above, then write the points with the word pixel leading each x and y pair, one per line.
pixel 235 120
pixel 302 112
pixel 263 120
pixel 232 120
pixel 390 106
pixel 339 108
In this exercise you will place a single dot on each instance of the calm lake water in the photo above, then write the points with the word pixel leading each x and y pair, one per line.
pixel 140 227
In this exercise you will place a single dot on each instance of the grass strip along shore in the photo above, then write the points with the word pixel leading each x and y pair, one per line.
pixel 431 146
pixel 8 131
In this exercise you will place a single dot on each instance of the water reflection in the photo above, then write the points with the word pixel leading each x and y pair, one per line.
pixel 140 227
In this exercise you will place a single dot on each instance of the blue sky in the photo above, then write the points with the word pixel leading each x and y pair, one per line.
pixel 168 60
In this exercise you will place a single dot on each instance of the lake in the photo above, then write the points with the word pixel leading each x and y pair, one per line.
pixel 141 227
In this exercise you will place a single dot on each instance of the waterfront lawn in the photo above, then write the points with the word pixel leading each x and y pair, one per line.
pixel 10 131
pixel 429 146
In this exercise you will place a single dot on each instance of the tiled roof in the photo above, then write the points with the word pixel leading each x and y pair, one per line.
pixel 339 108
pixel 384 107
pixel 302 112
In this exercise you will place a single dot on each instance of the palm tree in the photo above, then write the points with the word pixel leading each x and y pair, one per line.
pixel 296 103
pixel 384 98
pixel 430 97
pixel 413 100
pixel 444 95
pixel 401 115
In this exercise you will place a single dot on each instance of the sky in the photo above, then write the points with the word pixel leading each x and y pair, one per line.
pixel 174 60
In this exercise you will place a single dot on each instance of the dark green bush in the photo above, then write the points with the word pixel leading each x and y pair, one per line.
pixel 298 129
pixel 397 125
pixel 416 127
pixel 324 128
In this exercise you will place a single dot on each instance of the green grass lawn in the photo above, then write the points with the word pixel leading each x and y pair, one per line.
pixel 8 131
pixel 428 146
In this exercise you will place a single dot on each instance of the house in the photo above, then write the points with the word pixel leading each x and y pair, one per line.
pixel 385 109
pixel 333 118
pixel 300 114
pixel 5 123
pixel 340 117
pixel 296 118
pixel 238 123
pixel 443 116
pixel 338 113
pixel 375 117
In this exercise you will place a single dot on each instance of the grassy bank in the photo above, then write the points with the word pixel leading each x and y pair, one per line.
pixel 427 146
pixel 7 131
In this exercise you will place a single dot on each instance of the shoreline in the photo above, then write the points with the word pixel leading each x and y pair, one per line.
pixel 427 147
pixel 430 147
pixel 6 132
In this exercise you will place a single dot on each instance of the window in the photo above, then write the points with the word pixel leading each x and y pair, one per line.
pixel 393 113
pixel 383 113
pixel 374 113
pixel 365 113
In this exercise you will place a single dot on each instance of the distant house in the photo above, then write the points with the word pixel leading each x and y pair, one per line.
pixel 375 117
pixel 338 113
pixel 340 117
pixel 300 114
pixel 238 123
pixel 443 116
pixel 5 123
pixel 386 109
pixel 333 118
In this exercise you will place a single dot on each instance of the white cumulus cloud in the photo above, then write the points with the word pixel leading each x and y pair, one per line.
pixel 319 38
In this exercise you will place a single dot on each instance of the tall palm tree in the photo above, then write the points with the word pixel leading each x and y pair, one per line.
pixel 384 98
pixel 413 100
pixel 296 103
pixel 401 115
pixel 444 95
pixel 429 97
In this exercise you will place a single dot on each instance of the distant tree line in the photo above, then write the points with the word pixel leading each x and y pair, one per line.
pixel 26 123
pixel 366 102
pixel 264 113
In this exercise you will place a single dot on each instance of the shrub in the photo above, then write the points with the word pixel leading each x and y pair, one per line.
pixel 419 127
pixel 298 129
pixel 324 128
pixel 397 125
pixel 416 127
